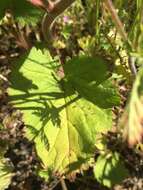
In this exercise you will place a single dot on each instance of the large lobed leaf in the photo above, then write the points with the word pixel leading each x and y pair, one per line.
pixel 62 117
pixel 22 11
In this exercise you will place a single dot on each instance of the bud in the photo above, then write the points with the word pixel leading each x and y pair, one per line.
pixel 44 4
pixel 37 3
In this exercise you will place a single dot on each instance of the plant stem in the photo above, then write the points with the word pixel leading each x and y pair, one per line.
pixel 116 19
pixel 57 9
pixel 131 61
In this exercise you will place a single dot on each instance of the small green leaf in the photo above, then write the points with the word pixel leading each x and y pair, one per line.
pixel 5 173
pixel 110 170
pixel 62 123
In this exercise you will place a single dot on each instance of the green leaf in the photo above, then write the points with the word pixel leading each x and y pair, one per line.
pixel 22 10
pixel 89 77
pixel 5 173
pixel 61 121
pixel 110 170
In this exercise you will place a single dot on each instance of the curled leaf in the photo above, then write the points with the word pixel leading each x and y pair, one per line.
pixel 132 120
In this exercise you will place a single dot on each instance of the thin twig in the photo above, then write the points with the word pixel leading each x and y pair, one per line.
pixel 63 184
pixel 3 78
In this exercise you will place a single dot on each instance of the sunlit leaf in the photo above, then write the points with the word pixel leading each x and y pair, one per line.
pixel 62 119
pixel 5 173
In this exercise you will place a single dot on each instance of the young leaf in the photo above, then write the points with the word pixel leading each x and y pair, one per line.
pixel 61 121
pixel 109 170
